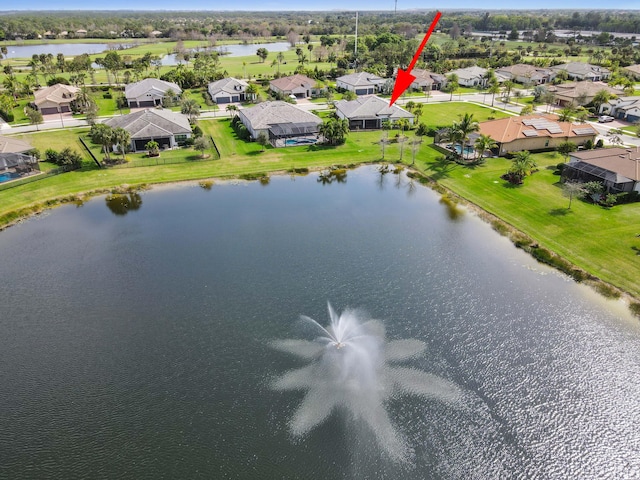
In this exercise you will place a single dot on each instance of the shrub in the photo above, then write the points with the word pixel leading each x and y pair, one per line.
pixel 7 116
pixel 50 155
pixel 197 131
pixel 56 80
pixel 635 308
pixel 600 143
pixel 107 95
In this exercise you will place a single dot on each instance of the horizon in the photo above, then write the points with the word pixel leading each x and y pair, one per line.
pixel 35 6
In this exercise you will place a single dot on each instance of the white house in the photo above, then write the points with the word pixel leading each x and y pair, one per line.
pixel 370 112
pixel 228 90
pixel 361 83
pixel 149 92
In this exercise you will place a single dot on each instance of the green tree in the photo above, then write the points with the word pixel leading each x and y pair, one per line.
pixel 122 139
pixel 102 134
pixel 252 92
pixel 190 108
pixel 462 128
pixel 565 148
pixel 615 136
pixel 494 88
pixel 202 144
pixel 262 53
pixel 153 148
pixel 573 190
pixel 452 85
pixel 522 165
pixel 34 116
pixel 483 143
pixel 334 130
pixel 263 140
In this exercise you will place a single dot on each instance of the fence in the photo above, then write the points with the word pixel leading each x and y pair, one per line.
pixel 35 178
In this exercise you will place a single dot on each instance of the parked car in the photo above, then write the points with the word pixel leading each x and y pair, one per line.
pixel 605 119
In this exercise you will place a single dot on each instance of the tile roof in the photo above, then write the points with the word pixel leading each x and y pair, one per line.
pixel 576 89
pixel 267 114
pixel 290 83
pixel 137 89
pixel 580 68
pixel 227 85
pixel 371 107
pixel 469 72
pixel 621 161
pixel 361 79
pixel 524 70
pixel 505 130
pixel 151 122
pixel 58 93
pixel 13 145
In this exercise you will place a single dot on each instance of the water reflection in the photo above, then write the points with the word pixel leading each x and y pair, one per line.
pixel 338 175
pixel 121 203
pixel 453 211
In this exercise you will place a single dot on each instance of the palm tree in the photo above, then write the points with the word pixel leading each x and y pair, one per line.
pixel 252 92
pixel 508 86
pixel 103 135
pixel 463 128
pixel 452 85
pixel 523 164
pixel 566 113
pixel 121 138
pixel 601 97
pixel 417 111
pixel 483 143
pixel 493 89
pixel 190 108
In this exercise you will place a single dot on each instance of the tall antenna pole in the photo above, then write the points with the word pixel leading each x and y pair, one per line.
pixel 355 49
pixel 395 10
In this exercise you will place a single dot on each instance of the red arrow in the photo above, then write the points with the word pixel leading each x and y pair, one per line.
pixel 404 77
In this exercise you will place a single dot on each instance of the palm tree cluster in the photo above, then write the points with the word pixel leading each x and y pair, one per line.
pixel 523 164
pixel 109 137
pixel 458 133
pixel 334 131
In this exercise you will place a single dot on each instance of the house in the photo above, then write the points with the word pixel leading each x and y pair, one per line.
pixel 426 80
pixel 617 168
pixel 149 92
pixel 55 99
pixel 163 126
pixel 583 71
pixel 633 70
pixel 526 74
pixel 578 93
pixel 283 123
pixel 370 112
pixel 297 85
pixel 15 158
pixel 534 133
pixel 361 83
pixel 81 33
pixel 13 145
pixel 471 76
pixel 228 90
pixel 624 108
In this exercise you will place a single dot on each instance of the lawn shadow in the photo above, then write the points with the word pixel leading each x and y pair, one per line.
pixel 636 249
pixel 559 212
pixel 441 168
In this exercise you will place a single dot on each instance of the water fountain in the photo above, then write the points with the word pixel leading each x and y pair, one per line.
pixel 352 369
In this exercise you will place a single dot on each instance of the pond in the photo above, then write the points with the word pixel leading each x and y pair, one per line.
pixel 153 336
pixel 68 49
pixel 238 50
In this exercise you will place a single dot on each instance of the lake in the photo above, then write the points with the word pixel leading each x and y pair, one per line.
pixel 138 339
pixel 68 49
pixel 237 50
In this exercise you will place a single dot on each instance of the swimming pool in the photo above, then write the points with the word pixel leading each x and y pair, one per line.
pixel 467 150
pixel 291 142
pixel 5 177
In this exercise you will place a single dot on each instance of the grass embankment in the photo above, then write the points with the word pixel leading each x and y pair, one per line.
pixel 601 241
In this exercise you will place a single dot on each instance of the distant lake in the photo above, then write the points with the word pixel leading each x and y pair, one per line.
pixel 237 50
pixel 68 49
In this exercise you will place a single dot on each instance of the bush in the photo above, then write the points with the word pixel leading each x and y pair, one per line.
pixel 7 116
pixel 50 155
pixel 56 80
pixel 107 95
pixel 635 308
pixel 600 143
pixel 197 131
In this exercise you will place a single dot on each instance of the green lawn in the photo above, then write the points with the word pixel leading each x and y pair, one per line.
pixel 601 241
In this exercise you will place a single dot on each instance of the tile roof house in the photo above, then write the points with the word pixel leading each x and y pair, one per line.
pixel 471 76
pixel 55 99
pixel 578 93
pixel 164 126
pixel 426 80
pixel 13 145
pixel 526 74
pixel 583 71
pixel 297 85
pixel 228 90
pixel 149 92
pixel 370 112
pixel 617 168
pixel 633 70
pixel 283 123
pixel 534 133
pixel 362 83
pixel 624 108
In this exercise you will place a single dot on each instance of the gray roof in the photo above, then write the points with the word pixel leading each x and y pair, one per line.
pixel 137 89
pixel 469 72
pixel 268 114
pixel 371 107
pixel 227 85
pixel 623 162
pixel 361 79
pixel 13 145
pixel 152 123
pixel 580 68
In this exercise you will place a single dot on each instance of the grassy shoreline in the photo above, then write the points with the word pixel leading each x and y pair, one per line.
pixel 534 216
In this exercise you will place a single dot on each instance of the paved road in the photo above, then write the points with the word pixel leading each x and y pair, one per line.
pixel 55 122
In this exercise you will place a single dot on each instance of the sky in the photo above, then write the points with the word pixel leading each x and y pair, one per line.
pixel 322 5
